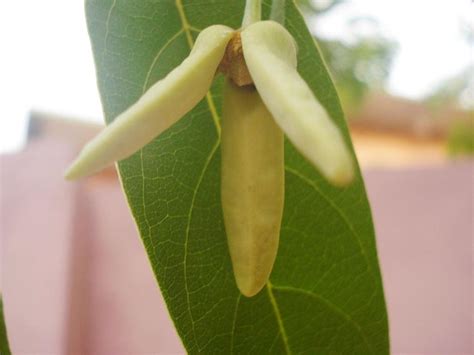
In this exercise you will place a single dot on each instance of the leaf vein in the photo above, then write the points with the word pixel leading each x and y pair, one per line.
pixel 339 212
pixel 187 30
pixel 107 28
pixel 188 228
pixel 158 55
pixel 330 305
pixel 234 322
pixel 276 310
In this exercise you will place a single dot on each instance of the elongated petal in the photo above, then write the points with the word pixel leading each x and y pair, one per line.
pixel 270 55
pixel 161 106
pixel 252 186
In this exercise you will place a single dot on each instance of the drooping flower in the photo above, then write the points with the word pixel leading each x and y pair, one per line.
pixel 264 97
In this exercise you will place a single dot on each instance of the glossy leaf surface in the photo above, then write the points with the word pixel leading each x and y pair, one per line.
pixel 325 293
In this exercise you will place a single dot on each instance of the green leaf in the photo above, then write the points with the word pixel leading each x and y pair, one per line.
pixel 4 347
pixel 325 294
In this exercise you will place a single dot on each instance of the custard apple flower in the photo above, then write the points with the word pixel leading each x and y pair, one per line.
pixel 264 98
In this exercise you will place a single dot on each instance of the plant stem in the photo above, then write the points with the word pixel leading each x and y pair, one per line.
pixel 252 13
pixel 278 11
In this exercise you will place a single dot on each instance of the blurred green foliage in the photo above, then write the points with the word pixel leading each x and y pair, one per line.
pixel 359 65
pixel 318 7
pixel 363 63
pixel 461 138
pixel 456 91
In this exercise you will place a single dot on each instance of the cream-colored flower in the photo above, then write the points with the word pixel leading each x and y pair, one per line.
pixel 263 96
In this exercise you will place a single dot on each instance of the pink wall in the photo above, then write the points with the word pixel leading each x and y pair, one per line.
pixel 424 222
pixel 75 274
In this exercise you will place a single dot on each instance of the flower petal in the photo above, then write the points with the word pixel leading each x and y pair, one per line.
pixel 161 106
pixel 270 55
pixel 252 185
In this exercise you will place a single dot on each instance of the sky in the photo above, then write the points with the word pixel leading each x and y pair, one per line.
pixel 429 34
pixel 46 61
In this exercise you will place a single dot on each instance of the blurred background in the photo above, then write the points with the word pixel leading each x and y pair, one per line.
pixel 413 62
pixel 405 74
